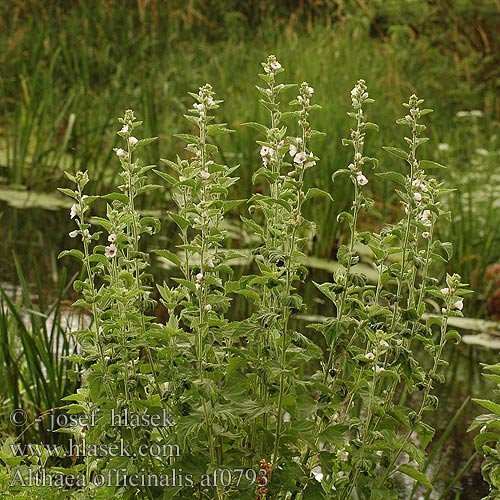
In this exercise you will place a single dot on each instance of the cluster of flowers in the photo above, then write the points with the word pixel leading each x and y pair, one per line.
pixel 359 95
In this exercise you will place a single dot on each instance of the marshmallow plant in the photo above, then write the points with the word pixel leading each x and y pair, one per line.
pixel 253 408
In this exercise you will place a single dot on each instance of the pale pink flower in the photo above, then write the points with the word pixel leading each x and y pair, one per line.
pixel 121 153
pixel 264 151
pixel 417 197
pixel 459 304
pixel 110 251
pixel 300 157
pixel 275 65
pixel 112 238
pixel 384 343
pixel 132 141
pixel 210 263
pixel 205 175
pixel 362 180
pixel 199 277
pixel 445 291
pixel 370 356
pixel 293 150
pixel 208 308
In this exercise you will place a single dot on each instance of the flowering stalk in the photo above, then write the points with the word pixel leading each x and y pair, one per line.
pixel 346 255
pixel 200 193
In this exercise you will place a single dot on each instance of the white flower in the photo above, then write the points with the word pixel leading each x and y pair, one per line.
pixel 344 456
pixel 443 310
pixel 198 105
pixel 124 129
pixel 72 212
pixel 310 90
pixel 300 157
pixel 425 215
pixel 210 101
pixel 445 291
pixel 311 162
pixel 417 197
pixel 287 417
pixel 275 65
pixel 110 251
pixel 384 343
pixel 208 308
pixel 120 153
pixel 204 175
pixel 379 369
pixel 426 235
pixel 264 151
pixel 73 234
pixel 370 356
pixel 317 473
pixel 132 141
pixel 86 233
pixel 362 180
pixel 112 238
pixel 199 277
pixel 358 157
pixel 459 304
pixel 293 150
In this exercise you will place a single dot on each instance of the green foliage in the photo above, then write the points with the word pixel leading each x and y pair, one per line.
pixel 254 408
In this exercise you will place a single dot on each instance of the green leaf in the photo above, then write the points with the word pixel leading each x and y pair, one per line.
pixel 489 405
pixel 396 152
pixel 230 204
pixel 180 221
pixel 415 474
pixel 314 192
pixel 340 171
pixel 430 164
pixel 101 259
pixel 171 180
pixel 256 126
pixel 69 192
pixel 167 254
pixel 218 129
pixel 345 216
pixel 123 198
pixel 393 176
pixel 73 252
